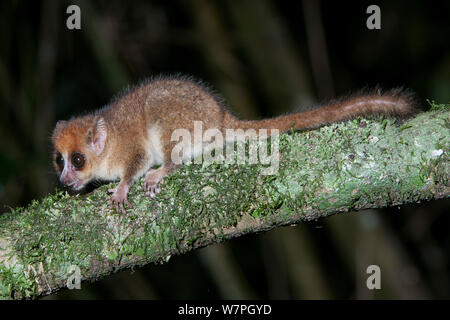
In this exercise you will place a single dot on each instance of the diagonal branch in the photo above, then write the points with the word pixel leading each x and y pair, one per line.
pixel 351 166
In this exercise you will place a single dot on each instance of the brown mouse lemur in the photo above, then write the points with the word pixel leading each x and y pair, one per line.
pixel 131 135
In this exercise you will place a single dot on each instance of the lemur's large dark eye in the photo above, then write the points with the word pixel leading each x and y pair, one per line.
pixel 78 160
pixel 59 160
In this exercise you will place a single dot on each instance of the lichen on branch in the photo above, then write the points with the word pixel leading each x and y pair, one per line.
pixel 363 163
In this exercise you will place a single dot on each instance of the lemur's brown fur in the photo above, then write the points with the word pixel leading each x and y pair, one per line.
pixel 131 135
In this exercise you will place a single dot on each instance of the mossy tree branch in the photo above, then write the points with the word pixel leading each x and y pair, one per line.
pixel 350 166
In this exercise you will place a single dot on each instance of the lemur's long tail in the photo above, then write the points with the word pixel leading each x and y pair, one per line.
pixel 396 102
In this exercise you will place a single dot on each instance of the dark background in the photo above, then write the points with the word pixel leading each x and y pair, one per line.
pixel 265 57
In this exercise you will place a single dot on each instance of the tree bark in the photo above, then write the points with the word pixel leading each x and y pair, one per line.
pixel 341 167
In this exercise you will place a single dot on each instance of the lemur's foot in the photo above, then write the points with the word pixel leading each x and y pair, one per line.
pixel 152 179
pixel 120 198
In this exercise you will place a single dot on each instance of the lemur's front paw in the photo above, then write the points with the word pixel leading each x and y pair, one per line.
pixel 120 198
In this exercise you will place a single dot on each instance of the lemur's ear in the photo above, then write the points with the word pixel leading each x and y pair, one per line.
pixel 96 137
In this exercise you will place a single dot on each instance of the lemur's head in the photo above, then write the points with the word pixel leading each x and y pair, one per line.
pixel 78 144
